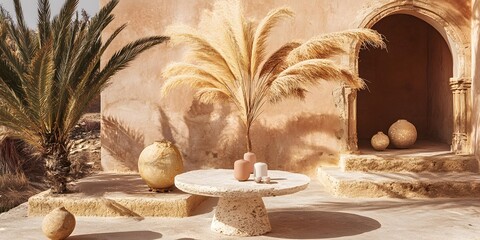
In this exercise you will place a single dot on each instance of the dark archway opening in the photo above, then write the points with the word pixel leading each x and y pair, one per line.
pixel 408 81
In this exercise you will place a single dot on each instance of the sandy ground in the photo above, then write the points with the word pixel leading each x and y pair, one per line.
pixel 310 214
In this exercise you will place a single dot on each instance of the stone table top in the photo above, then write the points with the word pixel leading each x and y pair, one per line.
pixel 221 183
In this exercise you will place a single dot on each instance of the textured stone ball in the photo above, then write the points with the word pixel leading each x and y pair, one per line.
pixel 402 134
pixel 380 141
pixel 58 224
pixel 159 163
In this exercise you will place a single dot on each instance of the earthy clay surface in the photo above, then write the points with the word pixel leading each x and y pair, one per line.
pixel 309 214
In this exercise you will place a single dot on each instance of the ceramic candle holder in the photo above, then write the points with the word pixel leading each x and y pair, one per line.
pixel 260 170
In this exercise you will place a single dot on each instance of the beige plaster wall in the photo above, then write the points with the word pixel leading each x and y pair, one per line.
pixel 293 135
pixel 439 102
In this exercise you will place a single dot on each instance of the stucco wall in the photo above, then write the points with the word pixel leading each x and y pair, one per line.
pixel 293 135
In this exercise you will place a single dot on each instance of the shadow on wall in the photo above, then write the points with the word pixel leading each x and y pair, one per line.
pixel 213 136
pixel 122 142
pixel 119 235
pixel 319 224
pixel 216 138
pixel 295 146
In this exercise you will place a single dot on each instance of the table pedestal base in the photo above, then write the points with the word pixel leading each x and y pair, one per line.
pixel 241 217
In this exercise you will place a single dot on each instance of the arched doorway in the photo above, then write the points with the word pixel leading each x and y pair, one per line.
pixel 408 81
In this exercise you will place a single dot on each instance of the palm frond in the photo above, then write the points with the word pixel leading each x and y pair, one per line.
pixel 308 73
pixel 276 62
pixel 202 50
pixel 48 78
pixel 44 15
pixel 262 33
pixel 226 60
pixel 333 44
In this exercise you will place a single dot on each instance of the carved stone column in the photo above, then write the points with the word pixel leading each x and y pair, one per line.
pixel 460 140
pixel 352 141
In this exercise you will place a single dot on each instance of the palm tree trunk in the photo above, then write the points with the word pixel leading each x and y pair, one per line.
pixel 57 167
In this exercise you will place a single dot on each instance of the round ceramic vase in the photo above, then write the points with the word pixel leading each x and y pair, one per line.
pixel 250 157
pixel 402 134
pixel 159 163
pixel 58 224
pixel 380 141
pixel 241 170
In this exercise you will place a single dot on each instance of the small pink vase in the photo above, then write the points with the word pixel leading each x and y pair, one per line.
pixel 241 170
pixel 250 157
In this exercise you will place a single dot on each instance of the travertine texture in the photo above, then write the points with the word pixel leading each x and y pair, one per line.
pixel 426 171
pixel 221 183
pixel 108 195
pixel 400 185
pixel 241 217
pixel 240 210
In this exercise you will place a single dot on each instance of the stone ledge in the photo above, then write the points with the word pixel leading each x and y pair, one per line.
pixel 398 163
pixel 111 195
pixel 400 185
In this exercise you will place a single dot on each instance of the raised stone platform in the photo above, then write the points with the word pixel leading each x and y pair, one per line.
pixel 114 194
pixel 390 162
pixel 427 170
pixel 400 185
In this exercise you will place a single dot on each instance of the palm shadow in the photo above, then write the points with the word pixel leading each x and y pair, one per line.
pixel 123 143
pixel 145 235
pixel 217 138
pixel 318 224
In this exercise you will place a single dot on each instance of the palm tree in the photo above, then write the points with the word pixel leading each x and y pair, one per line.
pixel 50 76
pixel 227 60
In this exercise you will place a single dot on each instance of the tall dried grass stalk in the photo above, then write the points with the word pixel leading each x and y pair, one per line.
pixel 226 60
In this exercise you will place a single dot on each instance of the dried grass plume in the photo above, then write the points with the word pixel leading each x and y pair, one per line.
pixel 227 60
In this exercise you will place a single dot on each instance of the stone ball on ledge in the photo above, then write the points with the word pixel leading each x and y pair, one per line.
pixel 402 134
pixel 380 141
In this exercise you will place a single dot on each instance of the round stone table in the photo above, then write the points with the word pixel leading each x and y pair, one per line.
pixel 240 210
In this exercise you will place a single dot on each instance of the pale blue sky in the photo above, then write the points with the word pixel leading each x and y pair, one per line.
pixel 30 8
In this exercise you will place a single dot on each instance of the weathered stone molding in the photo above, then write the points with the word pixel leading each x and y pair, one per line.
pixel 451 27
pixel 461 94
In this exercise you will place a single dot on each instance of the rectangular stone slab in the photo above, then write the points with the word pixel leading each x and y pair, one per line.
pixel 400 185
pixel 114 194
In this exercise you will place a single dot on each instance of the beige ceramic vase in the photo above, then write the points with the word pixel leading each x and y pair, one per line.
pixel 241 170
pixel 250 157
pixel 402 134
pixel 158 165
pixel 58 224
pixel 380 141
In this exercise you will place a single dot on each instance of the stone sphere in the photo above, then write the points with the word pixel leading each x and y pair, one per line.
pixel 380 141
pixel 159 163
pixel 402 134
pixel 58 224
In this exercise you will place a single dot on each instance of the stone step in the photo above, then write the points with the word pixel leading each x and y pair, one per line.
pixel 400 185
pixel 422 162
pixel 115 195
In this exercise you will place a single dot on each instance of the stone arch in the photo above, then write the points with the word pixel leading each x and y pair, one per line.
pixel 450 27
